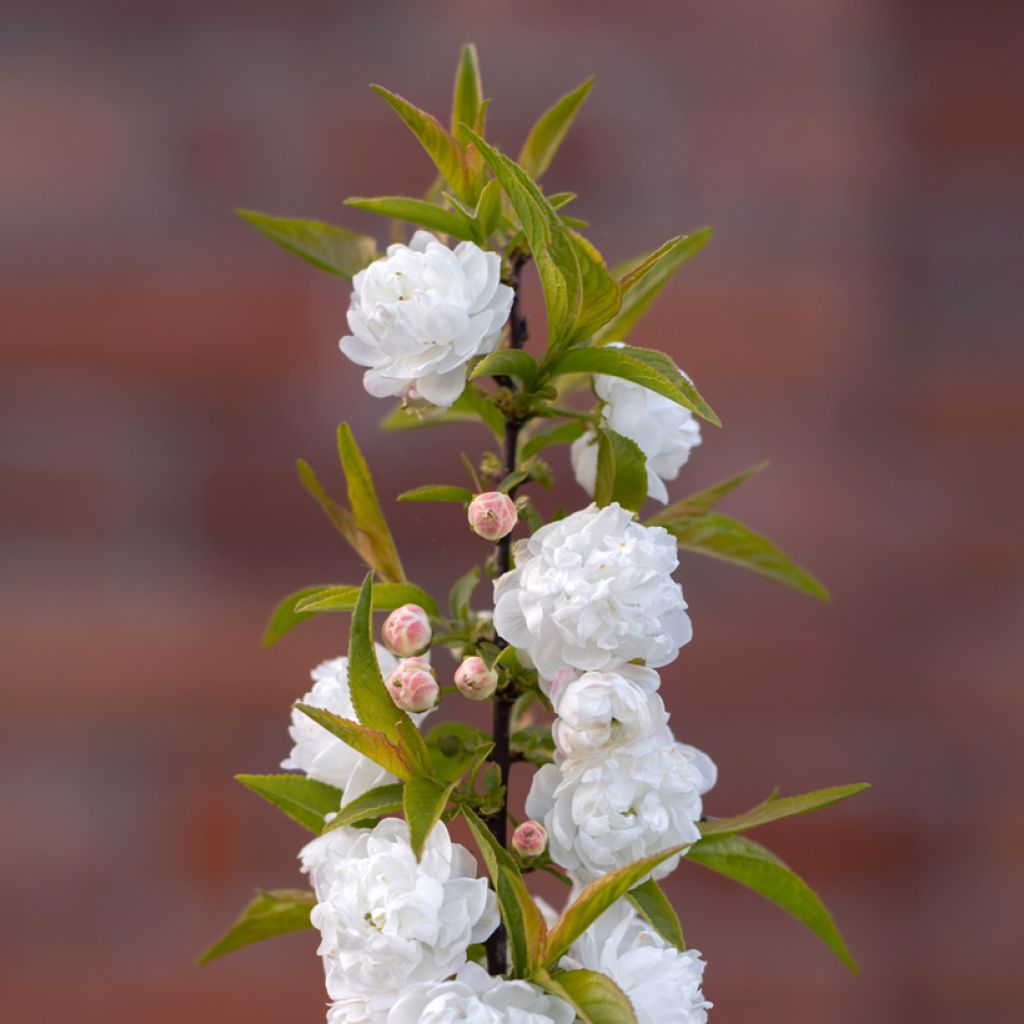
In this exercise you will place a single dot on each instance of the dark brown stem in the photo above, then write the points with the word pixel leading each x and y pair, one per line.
pixel 497 944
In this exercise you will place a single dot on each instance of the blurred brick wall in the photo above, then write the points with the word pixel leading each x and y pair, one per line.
pixel 857 319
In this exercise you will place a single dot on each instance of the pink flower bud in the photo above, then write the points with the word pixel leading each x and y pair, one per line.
pixel 530 839
pixel 475 680
pixel 413 685
pixel 406 631
pixel 492 515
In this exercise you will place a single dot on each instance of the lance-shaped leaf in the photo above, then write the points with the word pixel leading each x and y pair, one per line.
pixel 438 492
pixel 306 801
pixel 750 864
pixel 596 898
pixel 508 362
pixel 386 597
pixel 656 909
pixel 417 211
pixel 704 501
pixel 594 996
pixel 645 279
pixel 621 471
pixel 369 807
pixel 341 518
pixel 524 923
pixel 641 366
pixel 327 247
pixel 268 915
pixel 440 146
pixel 362 498
pixel 472 406
pixel 286 615
pixel 468 93
pixel 369 742
pixel 776 808
pixel 565 434
pixel 721 536
pixel 601 296
pixel 423 803
pixel 488 208
pixel 462 591
pixel 550 129
pixel 548 238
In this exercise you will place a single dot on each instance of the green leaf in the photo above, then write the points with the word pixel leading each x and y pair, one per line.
pixel 440 146
pixel 596 898
pixel 468 94
pixel 327 247
pixel 621 471
pixel 534 742
pixel 303 800
pixel 631 364
pixel 550 243
pixel 462 591
pixel 454 747
pixel 641 285
pixel 776 808
pixel 438 492
pixel 654 907
pixel 547 134
pixel 362 498
pixel 342 519
pixel 416 211
pixel 594 996
pixel 488 208
pixel 560 199
pixel 601 296
pixel 370 742
pixel 472 406
pixel 565 434
pixel 721 536
pixel 370 807
pixel 704 501
pixel 386 597
pixel 269 914
pixel 750 864
pixel 524 923
pixel 423 804
pixel 286 615
pixel 507 362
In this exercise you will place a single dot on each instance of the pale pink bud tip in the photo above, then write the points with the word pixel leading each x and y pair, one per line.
pixel 406 631
pixel 530 839
pixel 475 680
pixel 413 685
pixel 492 515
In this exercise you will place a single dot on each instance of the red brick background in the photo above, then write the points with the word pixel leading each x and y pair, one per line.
pixel 857 319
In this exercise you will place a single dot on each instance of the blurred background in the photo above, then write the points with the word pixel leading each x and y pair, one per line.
pixel 857 319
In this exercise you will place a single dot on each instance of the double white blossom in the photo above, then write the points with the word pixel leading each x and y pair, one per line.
pixel 662 983
pixel 388 922
pixel 664 431
pixel 474 997
pixel 420 313
pixel 604 812
pixel 592 591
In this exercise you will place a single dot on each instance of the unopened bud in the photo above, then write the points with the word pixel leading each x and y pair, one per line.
pixel 474 679
pixel 492 515
pixel 413 685
pixel 530 839
pixel 406 631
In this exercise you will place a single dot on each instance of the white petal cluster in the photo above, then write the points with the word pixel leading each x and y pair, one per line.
pixel 621 803
pixel 592 591
pixel 420 313
pixel 320 754
pixel 474 997
pixel 388 922
pixel 664 431
pixel 662 983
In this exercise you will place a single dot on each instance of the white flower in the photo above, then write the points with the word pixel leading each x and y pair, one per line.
pixel 602 709
pixel 662 983
pixel 321 755
pixel 604 812
pixel 474 997
pixel 664 431
pixel 419 314
pixel 592 591
pixel 387 922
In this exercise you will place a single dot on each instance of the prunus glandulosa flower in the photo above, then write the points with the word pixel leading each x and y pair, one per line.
pixel 420 313
pixel 592 591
